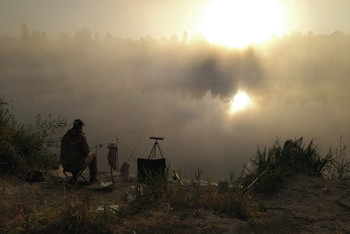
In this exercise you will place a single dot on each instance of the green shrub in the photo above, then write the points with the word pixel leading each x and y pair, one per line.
pixel 48 132
pixel 25 148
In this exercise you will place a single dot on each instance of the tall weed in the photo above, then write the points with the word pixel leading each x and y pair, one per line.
pixel 153 187
pixel 340 163
pixel 234 200
pixel 200 194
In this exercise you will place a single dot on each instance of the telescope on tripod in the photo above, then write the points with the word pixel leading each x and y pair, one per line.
pixel 153 152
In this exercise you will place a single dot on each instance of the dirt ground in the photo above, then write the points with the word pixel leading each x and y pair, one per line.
pixel 305 205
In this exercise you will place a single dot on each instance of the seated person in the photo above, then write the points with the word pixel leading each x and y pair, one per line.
pixel 76 154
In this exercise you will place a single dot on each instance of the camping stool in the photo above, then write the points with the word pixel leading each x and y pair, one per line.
pixel 80 174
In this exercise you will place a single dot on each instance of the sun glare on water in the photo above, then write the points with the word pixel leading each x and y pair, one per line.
pixel 238 23
pixel 239 102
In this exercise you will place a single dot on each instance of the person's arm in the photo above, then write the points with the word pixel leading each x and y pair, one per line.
pixel 85 149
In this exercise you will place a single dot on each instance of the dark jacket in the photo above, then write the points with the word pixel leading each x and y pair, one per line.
pixel 74 149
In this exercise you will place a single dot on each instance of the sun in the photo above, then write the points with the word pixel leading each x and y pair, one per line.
pixel 239 102
pixel 238 23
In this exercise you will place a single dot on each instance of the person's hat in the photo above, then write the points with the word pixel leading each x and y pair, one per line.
pixel 78 123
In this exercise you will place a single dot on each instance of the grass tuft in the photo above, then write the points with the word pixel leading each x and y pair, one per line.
pixel 281 162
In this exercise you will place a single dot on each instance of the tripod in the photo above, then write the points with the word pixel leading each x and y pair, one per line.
pixel 153 153
pixel 154 148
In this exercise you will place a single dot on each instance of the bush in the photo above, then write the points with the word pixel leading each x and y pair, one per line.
pixel 26 148
pixel 48 132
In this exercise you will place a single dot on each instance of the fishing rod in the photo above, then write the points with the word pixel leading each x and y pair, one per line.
pixel 116 138
pixel 256 179
pixel 133 151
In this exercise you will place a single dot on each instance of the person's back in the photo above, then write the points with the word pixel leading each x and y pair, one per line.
pixel 74 149
pixel 75 152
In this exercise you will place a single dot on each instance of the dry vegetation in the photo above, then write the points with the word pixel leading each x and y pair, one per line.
pixel 158 206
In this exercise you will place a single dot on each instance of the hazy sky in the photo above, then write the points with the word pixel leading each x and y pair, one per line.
pixel 181 89
pixel 135 18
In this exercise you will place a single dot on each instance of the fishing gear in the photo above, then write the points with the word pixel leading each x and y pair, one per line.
pixel 115 147
pixel 116 138
pixel 153 153
pixel 256 179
